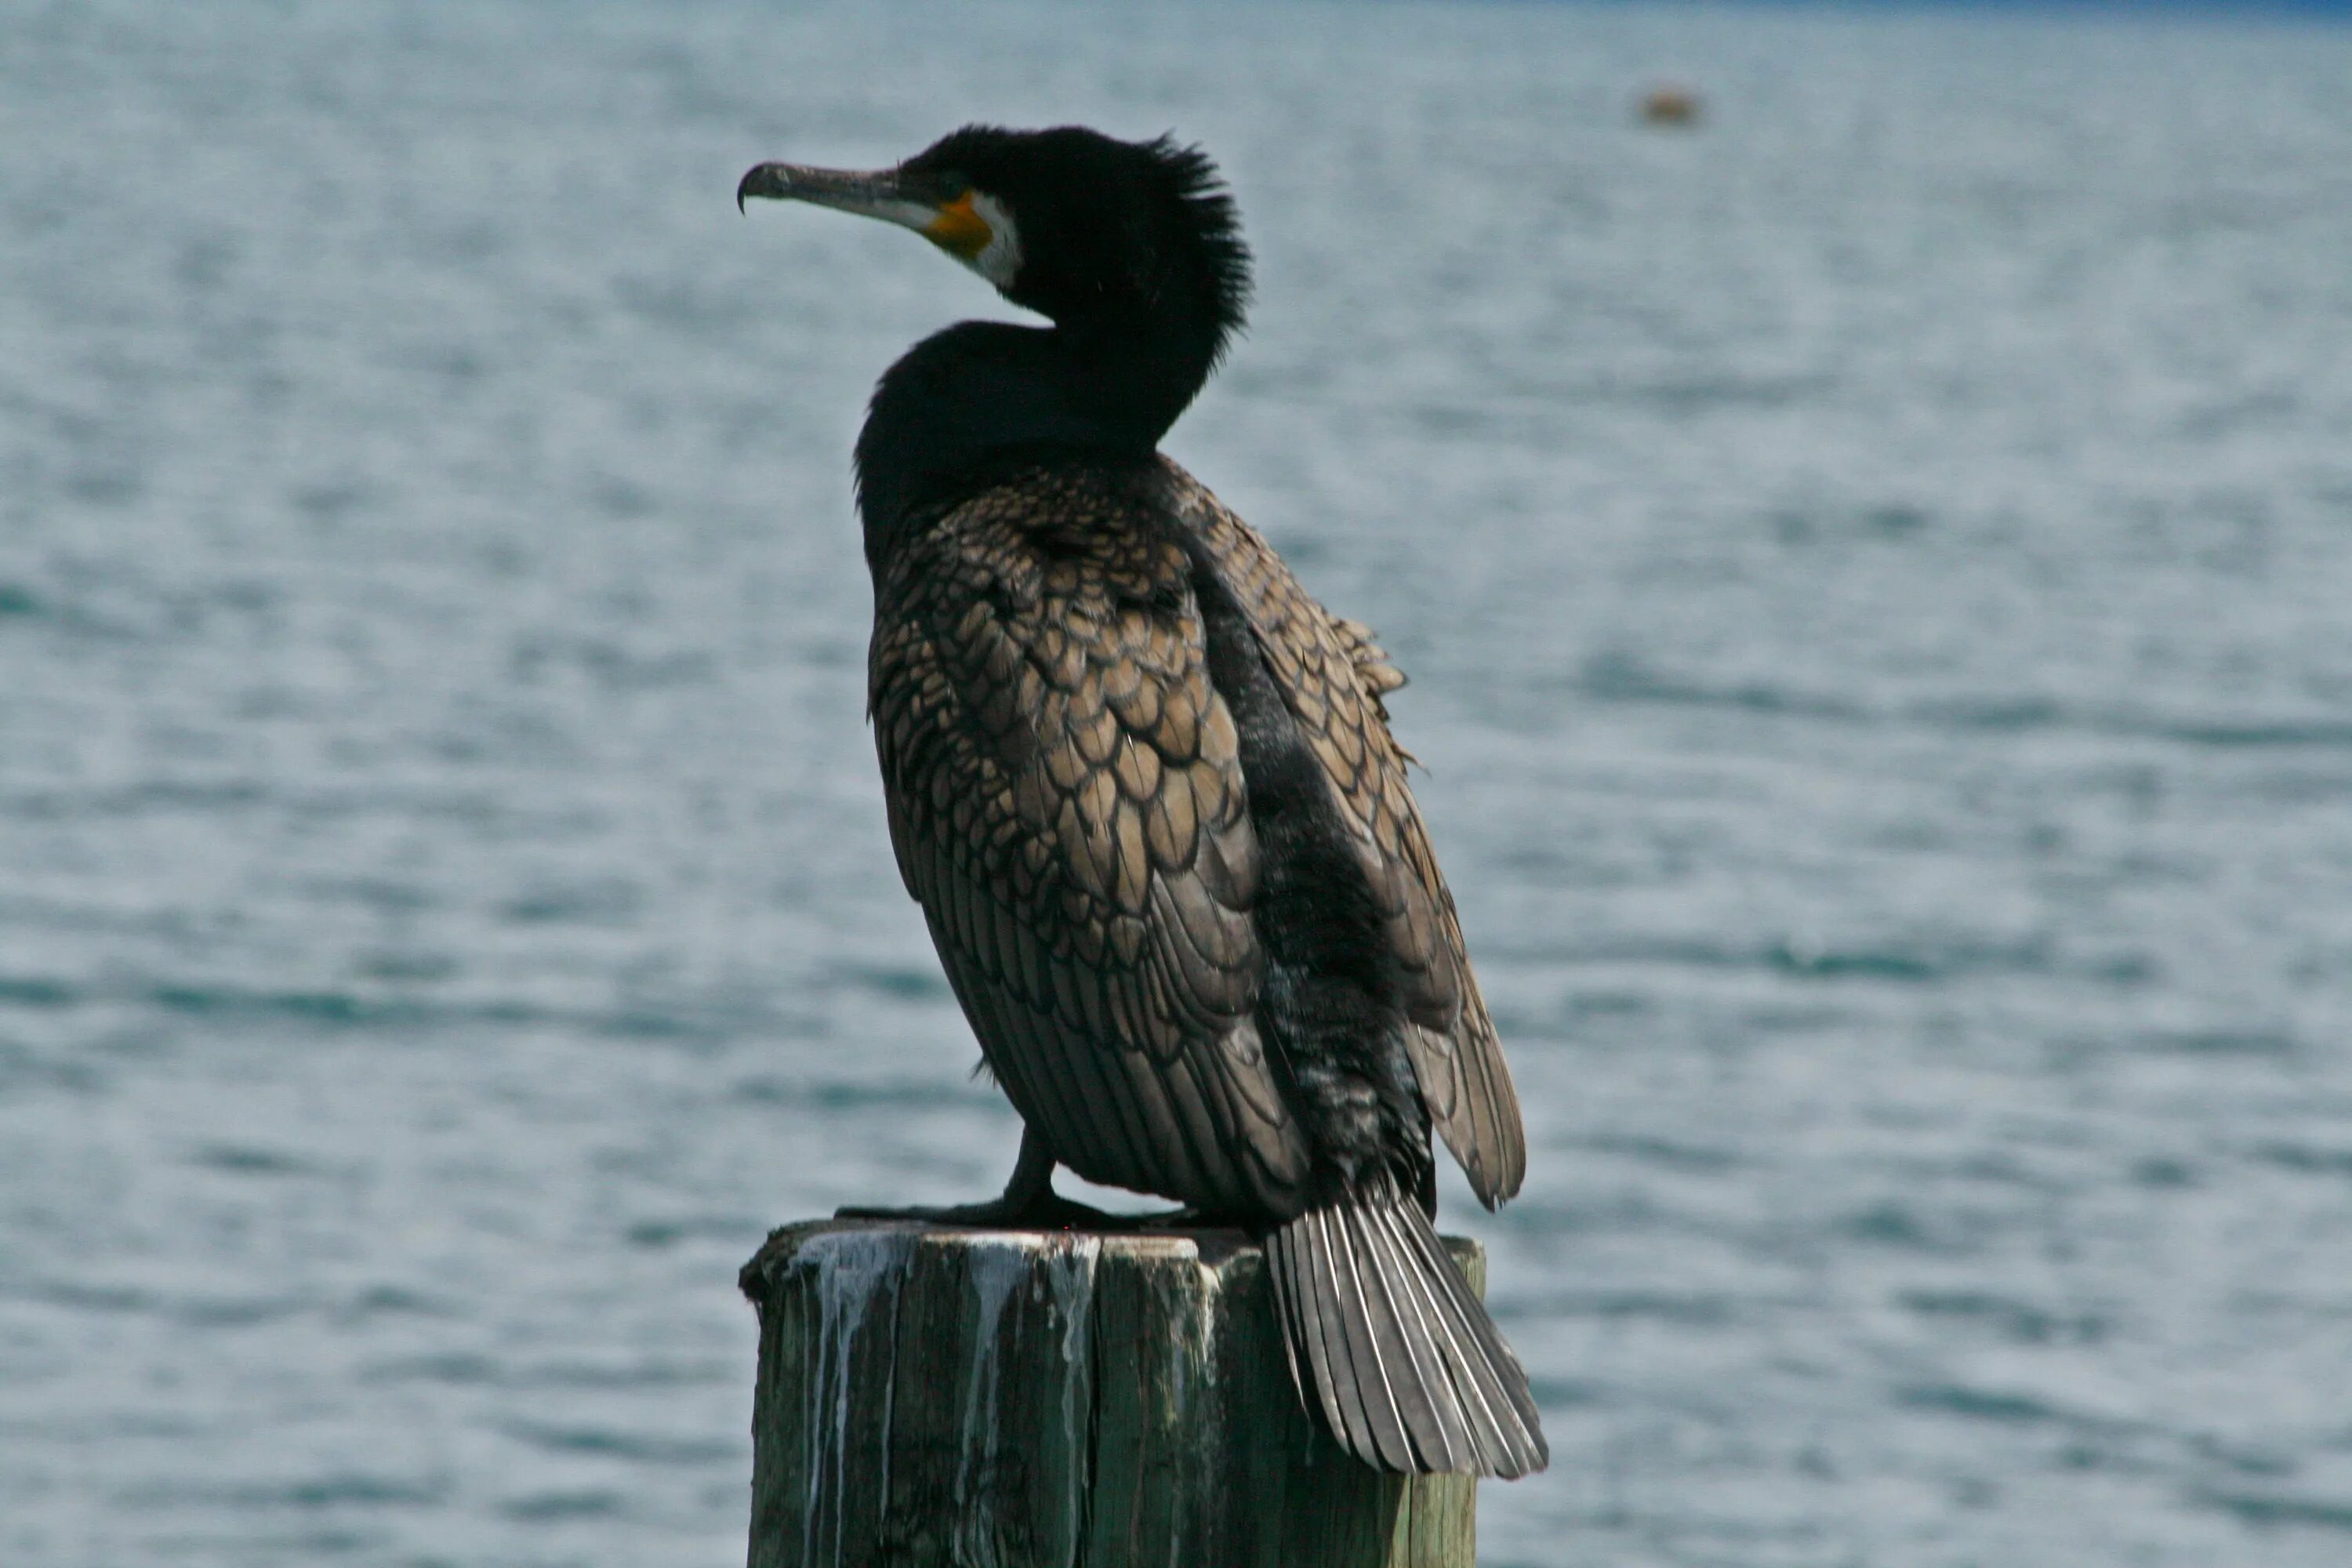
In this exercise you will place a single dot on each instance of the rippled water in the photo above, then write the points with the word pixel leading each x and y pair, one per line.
pixel 1877 571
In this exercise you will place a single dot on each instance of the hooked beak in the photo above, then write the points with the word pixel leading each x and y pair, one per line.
pixel 949 222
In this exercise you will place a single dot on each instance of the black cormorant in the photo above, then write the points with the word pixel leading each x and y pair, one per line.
pixel 1144 789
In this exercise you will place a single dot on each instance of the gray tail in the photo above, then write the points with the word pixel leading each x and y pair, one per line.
pixel 1411 1373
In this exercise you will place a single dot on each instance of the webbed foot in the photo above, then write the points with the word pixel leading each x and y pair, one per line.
pixel 1028 1201
pixel 1048 1211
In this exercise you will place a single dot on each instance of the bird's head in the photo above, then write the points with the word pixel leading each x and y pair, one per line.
pixel 1081 228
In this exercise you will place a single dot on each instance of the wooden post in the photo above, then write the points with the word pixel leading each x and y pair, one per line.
pixel 1023 1399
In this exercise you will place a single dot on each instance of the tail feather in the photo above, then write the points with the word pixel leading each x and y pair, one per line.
pixel 1427 1339
pixel 1301 1305
pixel 1439 1440
pixel 1368 1402
pixel 1409 1371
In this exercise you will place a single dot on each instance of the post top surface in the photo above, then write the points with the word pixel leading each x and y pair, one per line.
pixel 1214 1248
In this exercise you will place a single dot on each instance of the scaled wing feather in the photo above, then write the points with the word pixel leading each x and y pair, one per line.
pixel 1067 802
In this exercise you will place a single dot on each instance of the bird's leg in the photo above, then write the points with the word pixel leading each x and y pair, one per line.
pixel 1028 1200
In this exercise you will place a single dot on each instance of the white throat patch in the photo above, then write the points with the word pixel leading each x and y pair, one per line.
pixel 1000 258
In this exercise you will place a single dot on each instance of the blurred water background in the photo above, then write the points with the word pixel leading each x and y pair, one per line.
pixel 1876 570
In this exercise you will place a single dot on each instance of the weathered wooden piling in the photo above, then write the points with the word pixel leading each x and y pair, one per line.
pixel 1023 1399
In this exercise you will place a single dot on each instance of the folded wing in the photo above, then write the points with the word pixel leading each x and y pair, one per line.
pixel 1333 678
pixel 1068 805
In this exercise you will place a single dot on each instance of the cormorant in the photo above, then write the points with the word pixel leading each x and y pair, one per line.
pixel 1144 789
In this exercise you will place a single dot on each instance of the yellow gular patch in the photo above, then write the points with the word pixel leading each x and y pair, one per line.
pixel 959 230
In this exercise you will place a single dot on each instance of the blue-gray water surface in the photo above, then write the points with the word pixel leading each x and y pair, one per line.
pixel 1876 569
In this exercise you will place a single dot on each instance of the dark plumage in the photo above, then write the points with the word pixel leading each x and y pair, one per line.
pixel 1144 788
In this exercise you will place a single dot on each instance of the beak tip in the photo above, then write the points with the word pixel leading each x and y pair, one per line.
pixel 757 181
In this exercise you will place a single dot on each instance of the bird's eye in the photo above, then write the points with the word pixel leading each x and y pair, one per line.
pixel 952 187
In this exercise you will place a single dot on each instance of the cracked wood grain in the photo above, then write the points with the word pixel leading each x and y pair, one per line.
pixel 929 1395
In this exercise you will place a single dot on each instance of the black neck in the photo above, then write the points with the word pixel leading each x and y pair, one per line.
pixel 963 402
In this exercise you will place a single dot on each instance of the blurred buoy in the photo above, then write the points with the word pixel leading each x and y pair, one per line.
pixel 1670 103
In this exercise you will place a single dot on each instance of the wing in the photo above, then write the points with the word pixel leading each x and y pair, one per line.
pixel 1333 676
pixel 1066 802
